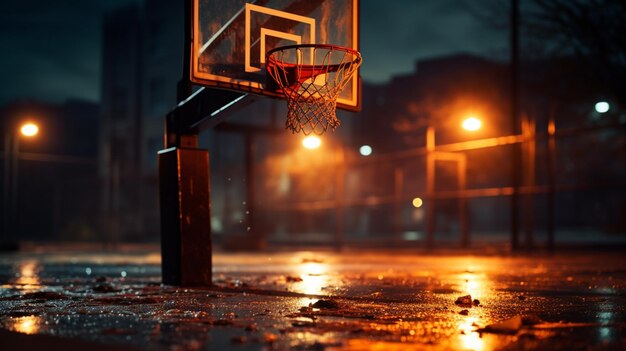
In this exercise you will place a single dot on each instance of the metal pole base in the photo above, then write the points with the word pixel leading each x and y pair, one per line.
pixel 185 217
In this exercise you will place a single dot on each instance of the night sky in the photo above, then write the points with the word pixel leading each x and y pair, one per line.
pixel 52 49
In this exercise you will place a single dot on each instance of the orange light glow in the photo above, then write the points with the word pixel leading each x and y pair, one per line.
pixel 472 124
pixel 311 142
pixel 28 279
pixel 29 129
pixel 26 325
pixel 417 202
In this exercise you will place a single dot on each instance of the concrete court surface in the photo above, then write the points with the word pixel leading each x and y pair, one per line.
pixel 316 300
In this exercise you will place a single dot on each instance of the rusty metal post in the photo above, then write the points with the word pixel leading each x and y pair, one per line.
pixel 515 157
pixel 185 216
pixel 430 187
pixel 550 158
pixel 528 131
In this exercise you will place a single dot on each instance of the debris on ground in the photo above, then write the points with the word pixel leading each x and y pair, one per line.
pixel 476 302
pixel 509 326
pixel 464 312
pixel 464 301
pixel 291 279
pixel 512 325
pixel 326 304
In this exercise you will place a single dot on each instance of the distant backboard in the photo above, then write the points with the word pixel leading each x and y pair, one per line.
pixel 231 38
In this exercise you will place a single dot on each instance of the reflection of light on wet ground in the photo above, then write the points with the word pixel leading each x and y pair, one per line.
pixel 313 276
pixel 26 325
pixel 28 278
pixel 475 284
pixel 606 318
pixel 470 339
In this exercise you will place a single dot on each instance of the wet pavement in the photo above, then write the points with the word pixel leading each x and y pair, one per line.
pixel 392 300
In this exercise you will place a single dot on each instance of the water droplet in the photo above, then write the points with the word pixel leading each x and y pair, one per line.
pixel 247 212
pixel 248 229
pixel 229 179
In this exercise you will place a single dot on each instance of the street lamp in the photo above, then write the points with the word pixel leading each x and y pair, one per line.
pixel 472 124
pixel 311 142
pixel 10 179
pixel 602 107
pixel 365 150
pixel 29 129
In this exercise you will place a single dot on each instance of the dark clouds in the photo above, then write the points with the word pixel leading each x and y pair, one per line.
pixel 51 49
pixel 394 33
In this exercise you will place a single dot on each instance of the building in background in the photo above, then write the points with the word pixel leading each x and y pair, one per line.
pixel 56 187
pixel 141 65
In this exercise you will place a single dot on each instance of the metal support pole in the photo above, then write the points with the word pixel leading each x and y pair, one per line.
pixel 550 158
pixel 14 217
pixel 528 130
pixel 515 166
pixel 185 216
pixel 397 203
pixel 462 184
pixel 430 187
pixel 7 191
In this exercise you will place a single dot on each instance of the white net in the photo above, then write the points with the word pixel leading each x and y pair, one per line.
pixel 311 76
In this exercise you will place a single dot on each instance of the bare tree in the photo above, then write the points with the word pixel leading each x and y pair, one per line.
pixel 592 31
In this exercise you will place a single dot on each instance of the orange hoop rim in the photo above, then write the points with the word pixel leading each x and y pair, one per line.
pixel 270 60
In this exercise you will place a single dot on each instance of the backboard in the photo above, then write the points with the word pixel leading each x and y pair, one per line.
pixel 232 37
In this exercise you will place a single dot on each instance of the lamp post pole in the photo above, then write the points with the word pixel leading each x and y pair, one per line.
pixel 11 183
pixel 10 193
pixel 6 189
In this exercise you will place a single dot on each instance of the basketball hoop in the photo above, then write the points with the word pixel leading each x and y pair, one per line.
pixel 311 76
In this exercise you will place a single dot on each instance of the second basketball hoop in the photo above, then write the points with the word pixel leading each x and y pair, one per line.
pixel 311 77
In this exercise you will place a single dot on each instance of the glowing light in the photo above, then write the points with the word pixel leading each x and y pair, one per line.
pixel 417 202
pixel 365 150
pixel 314 278
pixel 28 279
pixel 602 107
pixel 311 142
pixel 29 129
pixel 26 325
pixel 470 339
pixel 472 124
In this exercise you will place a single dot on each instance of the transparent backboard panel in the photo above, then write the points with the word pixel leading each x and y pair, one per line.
pixel 231 39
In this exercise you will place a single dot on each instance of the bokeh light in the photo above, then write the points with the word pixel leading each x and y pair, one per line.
pixel 29 129
pixel 311 142
pixel 365 150
pixel 417 202
pixel 602 107
pixel 472 124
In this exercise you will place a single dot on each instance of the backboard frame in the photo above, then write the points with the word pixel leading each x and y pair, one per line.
pixel 264 87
